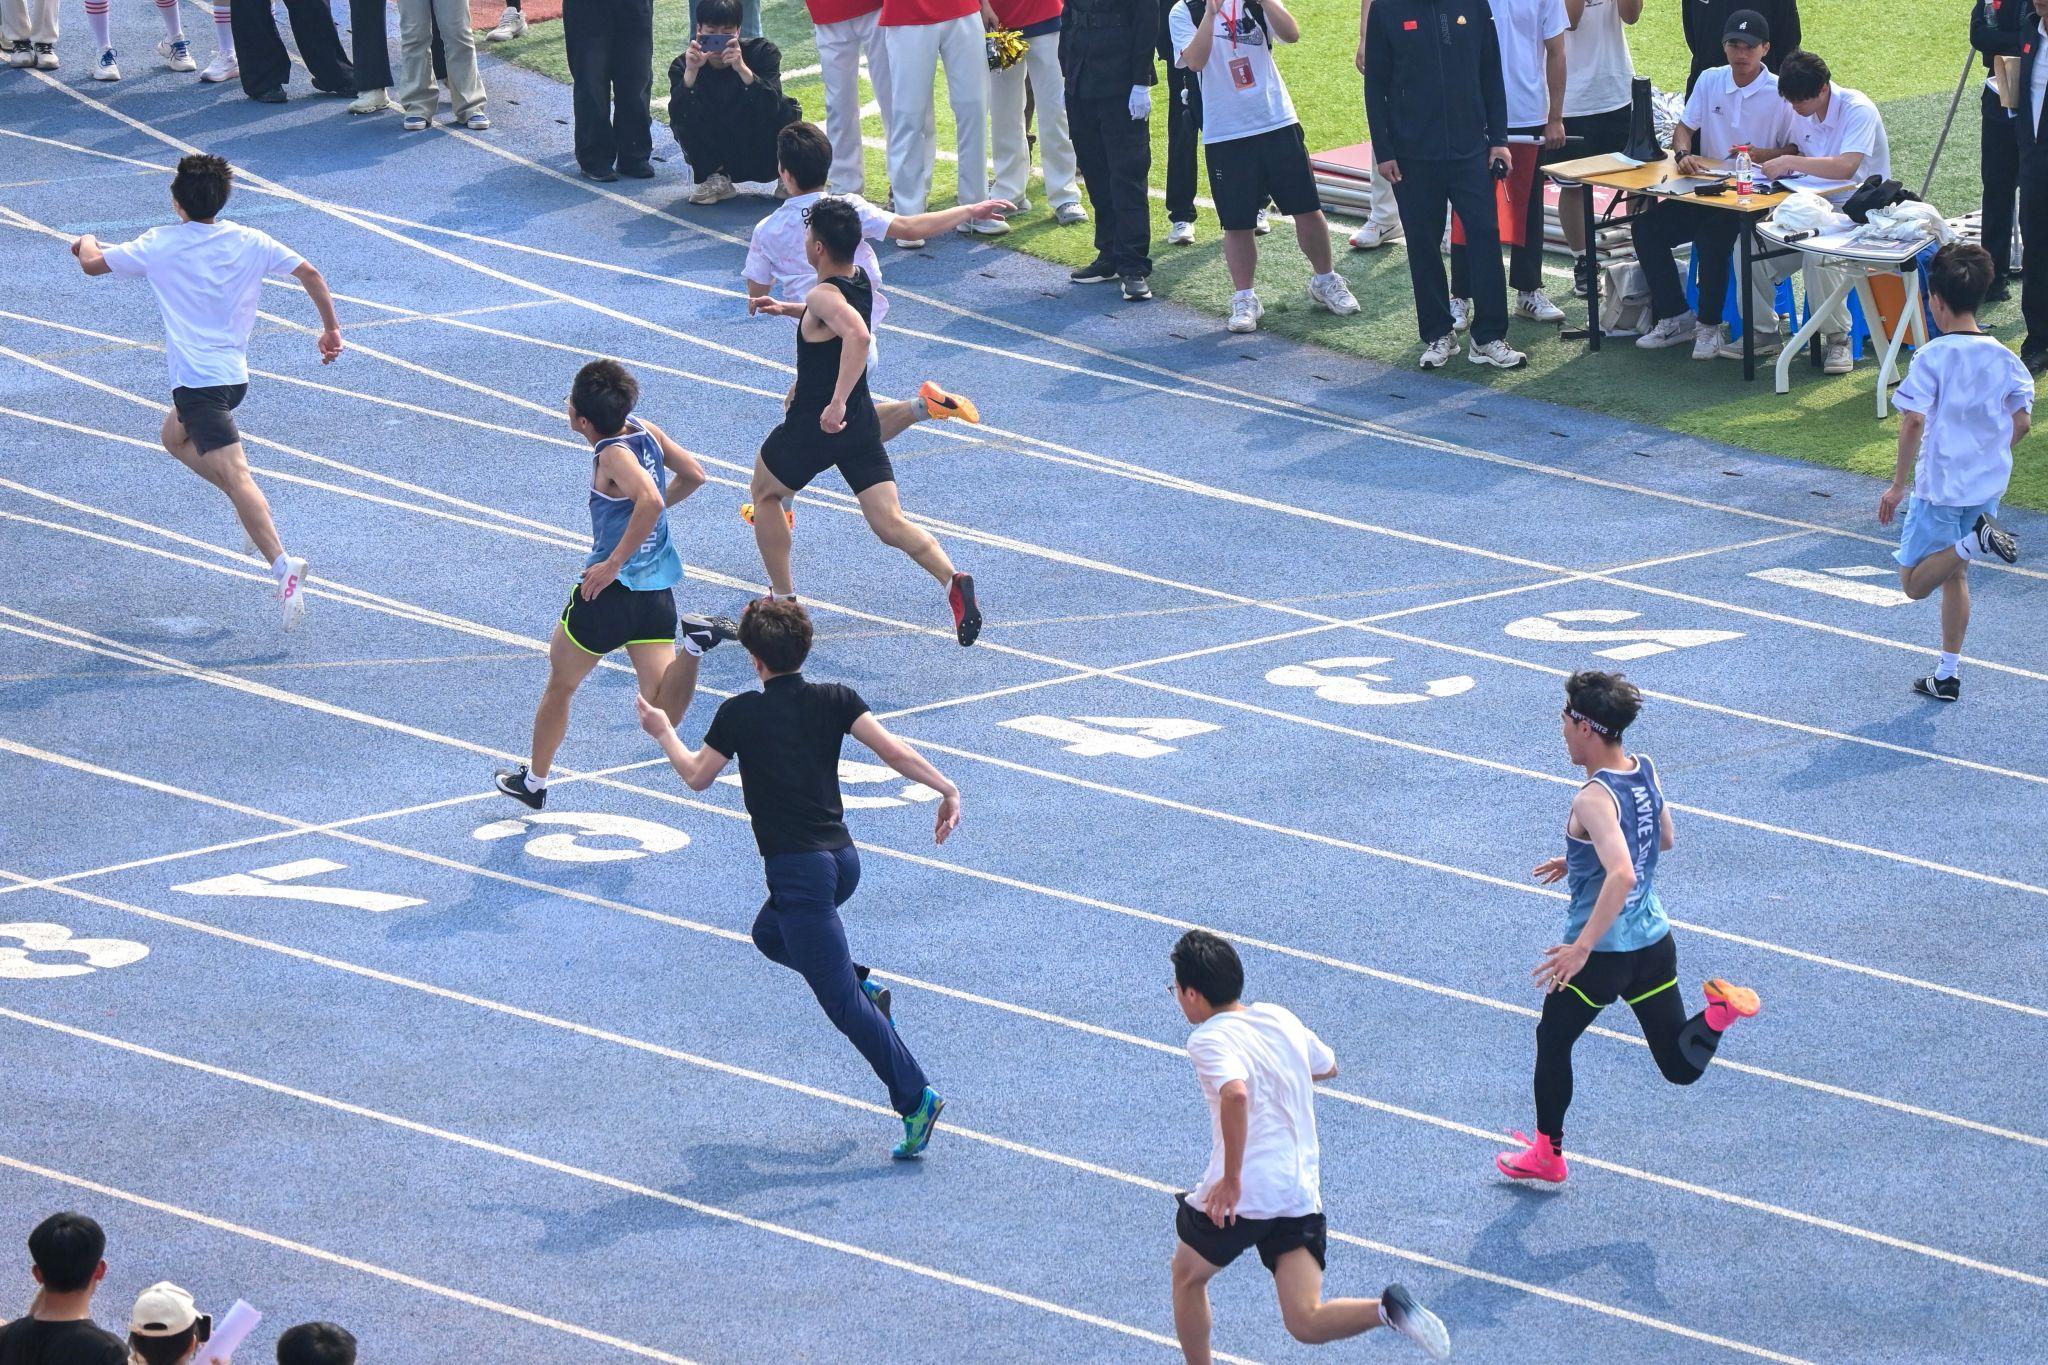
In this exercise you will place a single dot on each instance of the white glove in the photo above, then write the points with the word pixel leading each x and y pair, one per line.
pixel 1141 101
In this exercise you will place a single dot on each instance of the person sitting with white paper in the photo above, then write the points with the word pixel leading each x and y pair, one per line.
pixel 1838 139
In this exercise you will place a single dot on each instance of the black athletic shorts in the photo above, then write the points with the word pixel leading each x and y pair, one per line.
pixel 1603 133
pixel 1274 1237
pixel 209 414
pixel 1247 171
pixel 619 616
pixel 798 451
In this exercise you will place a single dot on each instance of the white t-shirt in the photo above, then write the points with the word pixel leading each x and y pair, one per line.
pixel 775 254
pixel 1597 69
pixel 1523 27
pixel 1852 124
pixel 1967 387
pixel 1242 93
pixel 207 278
pixel 1276 1056
pixel 1727 116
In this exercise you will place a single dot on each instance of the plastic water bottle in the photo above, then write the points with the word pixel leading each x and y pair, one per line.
pixel 1745 174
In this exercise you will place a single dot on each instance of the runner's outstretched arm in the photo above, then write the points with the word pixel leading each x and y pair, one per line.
pixel 315 285
pixel 1594 809
pixel 917 227
pixel 90 260
pixel 909 763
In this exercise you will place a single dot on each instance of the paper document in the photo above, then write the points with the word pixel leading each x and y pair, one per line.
pixel 229 1333
pixel 1813 184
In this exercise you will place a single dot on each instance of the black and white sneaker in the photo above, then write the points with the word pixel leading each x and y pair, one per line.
pixel 1939 689
pixel 1582 276
pixel 1097 271
pixel 512 782
pixel 1400 1311
pixel 706 632
pixel 1995 539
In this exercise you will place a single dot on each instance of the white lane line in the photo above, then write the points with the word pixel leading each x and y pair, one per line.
pixel 362 1267
pixel 1042 1016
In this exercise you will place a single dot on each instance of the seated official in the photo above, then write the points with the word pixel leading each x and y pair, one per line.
pixel 726 103
pixel 1731 106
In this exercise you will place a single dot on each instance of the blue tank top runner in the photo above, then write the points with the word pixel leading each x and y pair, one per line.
pixel 1640 803
pixel 655 564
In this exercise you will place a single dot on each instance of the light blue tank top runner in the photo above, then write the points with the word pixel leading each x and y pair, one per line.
pixel 1640 803
pixel 655 564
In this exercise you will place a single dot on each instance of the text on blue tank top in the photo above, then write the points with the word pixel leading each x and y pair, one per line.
pixel 1639 801
pixel 655 564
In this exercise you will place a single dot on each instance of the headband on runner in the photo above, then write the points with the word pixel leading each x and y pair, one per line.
pixel 1590 723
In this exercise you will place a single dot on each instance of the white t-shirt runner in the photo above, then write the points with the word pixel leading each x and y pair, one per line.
pixel 207 278
pixel 1968 387
pixel 1242 93
pixel 775 253
pixel 1523 27
pixel 1597 67
pixel 1277 1057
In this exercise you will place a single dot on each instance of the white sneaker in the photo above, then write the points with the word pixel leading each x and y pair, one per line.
pixel 46 56
pixel 1180 234
pixel 21 54
pixel 372 102
pixel 713 189
pixel 1766 343
pixel 1245 312
pixel 983 227
pixel 223 67
pixel 1837 356
pixel 1707 341
pixel 902 243
pixel 511 24
pixel 478 122
pixel 106 68
pixel 1498 354
pixel 1461 315
pixel 1536 305
pixel 1069 214
pixel 1439 352
pixel 177 54
pixel 291 591
pixel 1372 237
pixel 1263 224
pixel 1331 292
pixel 1670 332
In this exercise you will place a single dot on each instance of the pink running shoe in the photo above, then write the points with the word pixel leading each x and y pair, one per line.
pixel 1536 1161
pixel 1727 1002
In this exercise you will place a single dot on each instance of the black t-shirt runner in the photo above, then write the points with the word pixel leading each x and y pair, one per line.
pixel 31 1341
pixel 787 738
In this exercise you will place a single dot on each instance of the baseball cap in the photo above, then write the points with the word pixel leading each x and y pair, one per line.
pixel 1746 26
pixel 164 1310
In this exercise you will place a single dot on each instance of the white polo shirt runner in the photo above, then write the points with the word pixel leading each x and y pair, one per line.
pixel 1277 1057
pixel 207 278
pixel 1851 124
pixel 1967 387
pixel 1727 115
pixel 1523 27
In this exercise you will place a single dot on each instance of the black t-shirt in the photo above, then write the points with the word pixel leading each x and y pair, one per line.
pixel 786 738
pixel 30 1341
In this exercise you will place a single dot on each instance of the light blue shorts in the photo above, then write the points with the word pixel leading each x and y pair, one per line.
pixel 1929 526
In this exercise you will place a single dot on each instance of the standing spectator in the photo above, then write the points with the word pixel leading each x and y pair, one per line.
pixel 1039 21
pixel 1255 145
pixel 1706 20
pixel 66 1251
pixel 174 50
pixel 923 34
pixel 610 45
pixel 2033 143
pixel 1183 134
pixel 1599 86
pixel 1838 134
pixel 1998 28
pixel 845 29
pixel 372 53
pixel 1439 133
pixel 512 24
pixel 266 66
pixel 316 1343
pixel 1107 61
pixel 726 104
pixel 30 28
pixel 1383 216
pixel 419 22
pixel 166 1327
pixel 1533 75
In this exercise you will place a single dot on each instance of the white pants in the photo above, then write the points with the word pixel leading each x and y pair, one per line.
pixel 33 21
pixel 1383 215
pixel 416 21
pixel 1818 280
pixel 915 53
pixel 840 47
pixel 1041 66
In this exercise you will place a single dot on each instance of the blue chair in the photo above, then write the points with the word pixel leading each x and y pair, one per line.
pixel 1731 307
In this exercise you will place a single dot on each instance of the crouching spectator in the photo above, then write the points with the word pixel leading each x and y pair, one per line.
pixel 66 1251
pixel 726 104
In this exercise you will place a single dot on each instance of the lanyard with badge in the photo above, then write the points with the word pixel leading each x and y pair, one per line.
pixel 1241 74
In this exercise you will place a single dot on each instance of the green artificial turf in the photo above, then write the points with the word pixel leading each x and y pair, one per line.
pixel 1909 64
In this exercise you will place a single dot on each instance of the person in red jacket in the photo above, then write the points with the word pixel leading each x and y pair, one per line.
pixel 845 29
pixel 1039 22
pixel 921 35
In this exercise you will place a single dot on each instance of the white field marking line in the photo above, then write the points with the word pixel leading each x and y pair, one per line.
pixel 1153 191
pixel 589 1176
pixel 427 616
pixel 863 1106
pixel 1040 1016
pixel 85 641
pixel 1259 403
pixel 333 1258
pixel 484 310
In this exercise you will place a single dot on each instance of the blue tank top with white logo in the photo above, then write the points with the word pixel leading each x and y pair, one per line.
pixel 1639 801
pixel 655 564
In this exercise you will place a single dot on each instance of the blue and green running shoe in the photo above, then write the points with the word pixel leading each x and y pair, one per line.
pixel 880 995
pixel 918 1126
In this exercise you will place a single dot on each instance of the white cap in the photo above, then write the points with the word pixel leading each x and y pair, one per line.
pixel 164 1310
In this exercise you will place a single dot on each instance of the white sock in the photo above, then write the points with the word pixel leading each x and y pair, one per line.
pixel 96 15
pixel 280 568
pixel 1946 669
pixel 536 782
pixel 1244 294
pixel 223 34
pixel 1967 547
pixel 174 26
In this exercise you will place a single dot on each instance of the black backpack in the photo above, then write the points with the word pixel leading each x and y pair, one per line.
pixel 1876 193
